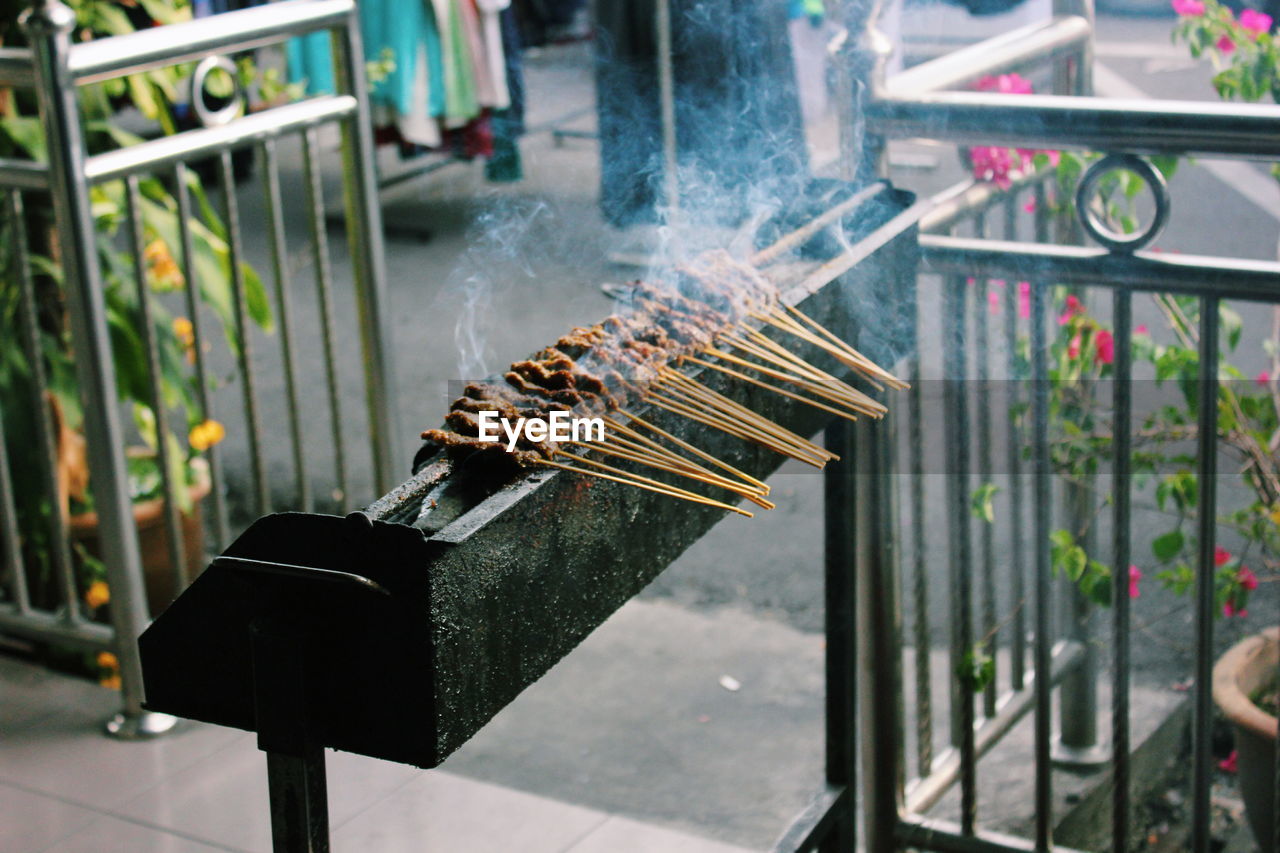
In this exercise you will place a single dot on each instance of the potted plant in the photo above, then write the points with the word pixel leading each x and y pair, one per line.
pixel 1245 689
pixel 156 95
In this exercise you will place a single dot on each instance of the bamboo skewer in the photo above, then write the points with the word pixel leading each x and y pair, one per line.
pixel 646 448
pixel 693 414
pixel 835 388
pixel 857 405
pixel 662 490
pixel 701 454
pixel 774 388
pixel 709 479
pixel 647 480
pixel 734 408
pixel 889 378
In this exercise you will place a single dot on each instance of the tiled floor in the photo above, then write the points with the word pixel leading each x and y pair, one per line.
pixel 65 787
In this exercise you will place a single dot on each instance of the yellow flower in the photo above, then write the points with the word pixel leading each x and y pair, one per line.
pixel 106 660
pixel 186 336
pixel 206 434
pixel 164 269
pixel 111 682
pixel 97 595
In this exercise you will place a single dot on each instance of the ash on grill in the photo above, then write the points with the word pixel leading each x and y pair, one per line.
pixel 715 307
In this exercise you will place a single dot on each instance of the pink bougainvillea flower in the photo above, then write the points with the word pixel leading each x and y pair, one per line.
pixel 993 301
pixel 1228 764
pixel 1221 556
pixel 1005 84
pixel 1141 330
pixel 1189 8
pixel 1263 378
pixel 1135 575
pixel 1255 22
pixel 1024 299
pixel 1225 44
pixel 1073 308
pixel 1246 578
pixel 992 164
pixel 1073 347
pixel 1030 206
pixel 1229 610
pixel 1106 347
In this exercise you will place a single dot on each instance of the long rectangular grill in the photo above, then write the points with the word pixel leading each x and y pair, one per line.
pixel 401 645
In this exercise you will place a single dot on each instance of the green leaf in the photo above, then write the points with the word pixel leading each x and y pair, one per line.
pixel 976 669
pixel 1168 546
pixel 980 503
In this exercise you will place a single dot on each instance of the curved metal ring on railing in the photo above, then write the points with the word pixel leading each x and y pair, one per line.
pixel 235 106
pixel 1096 228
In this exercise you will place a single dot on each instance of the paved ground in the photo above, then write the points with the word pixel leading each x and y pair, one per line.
pixel 619 727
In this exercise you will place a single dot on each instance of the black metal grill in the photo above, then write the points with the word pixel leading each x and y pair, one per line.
pixel 368 635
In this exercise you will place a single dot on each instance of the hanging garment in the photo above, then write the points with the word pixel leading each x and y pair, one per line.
pixel 739 134
pixel 495 49
pixel 508 124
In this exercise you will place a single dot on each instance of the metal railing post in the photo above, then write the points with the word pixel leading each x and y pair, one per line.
pixel 48 26
pixel 364 233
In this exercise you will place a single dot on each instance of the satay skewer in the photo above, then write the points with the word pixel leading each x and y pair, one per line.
pixel 807 384
pixel 662 490
pixel 701 454
pixel 632 438
pixel 835 389
pixel 889 378
pixel 672 468
pixel 642 479
pixel 679 408
pixel 728 371
pixel 679 462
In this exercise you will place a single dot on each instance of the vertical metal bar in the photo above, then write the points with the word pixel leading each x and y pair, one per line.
pixel 258 465
pixel 1207 474
pixel 1122 301
pixel 840 619
pixel 40 402
pixel 11 533
pixel 320 254
pixel 667 109
pixel 155 377
pixel 299 802
pixel 982 356
pixel 1043 578
pixel 218 505
pixel 364 236
pixel 955 304
pixel 48 27
pixel 879 629
pixel 920 579
pixel 1017 546
pixel 275 224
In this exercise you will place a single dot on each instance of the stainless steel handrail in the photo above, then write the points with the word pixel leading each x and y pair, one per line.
pixel 232 32
pixel 16 67
pixel 167 150
pixel 23 175
pixel 1192 128
pixel 1013 51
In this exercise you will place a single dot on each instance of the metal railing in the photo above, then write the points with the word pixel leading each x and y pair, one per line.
pixel 969 354
pixel 56 69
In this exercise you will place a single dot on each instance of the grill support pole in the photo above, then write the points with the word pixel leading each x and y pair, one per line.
pixel 295 762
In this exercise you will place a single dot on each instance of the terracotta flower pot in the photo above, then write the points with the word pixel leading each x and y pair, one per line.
pixel 153 540
pixel 1248 667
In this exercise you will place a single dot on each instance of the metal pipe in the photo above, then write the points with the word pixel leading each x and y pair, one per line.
pixel 1015 50
pixel 1186 128
pixel 206 141
pixel 920 578
pixel 667 109
pixel 879 630
pixel 364 238
pixel 11 534
pixel 956 404
pixel 944 836
pixel 244 338
pixel 324 298
pixel 982 357
pixel 40 402
pixel 217 501
pixel 1043 578
pixel 45 627
pixel 970 196
pixel 155 380
pixel 17 67
pixel 840 617
pixel 1122 449
pixel 23 175
pixel 231 32
pixel 1229 278
pixel 48 27
pixel 926 792
pixel 284 307
pixel 1206 531
pixel 1013 459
